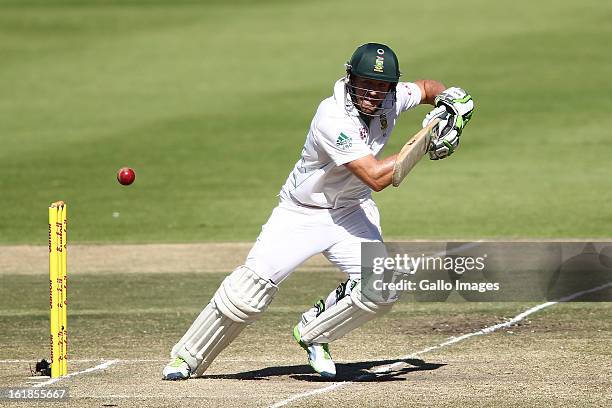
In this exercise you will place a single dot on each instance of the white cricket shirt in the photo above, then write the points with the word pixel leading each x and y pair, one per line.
pixel 337 136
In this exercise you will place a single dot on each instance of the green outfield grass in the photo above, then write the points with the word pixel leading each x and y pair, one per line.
pixel 210 103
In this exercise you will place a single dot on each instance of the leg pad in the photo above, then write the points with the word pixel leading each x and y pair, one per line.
pixel 347 314
pixel 238 302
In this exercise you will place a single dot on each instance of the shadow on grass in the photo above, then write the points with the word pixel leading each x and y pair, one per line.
pixel 358 372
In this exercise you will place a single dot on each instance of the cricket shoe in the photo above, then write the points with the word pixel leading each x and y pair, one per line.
pixel 177 369
pixel 319 357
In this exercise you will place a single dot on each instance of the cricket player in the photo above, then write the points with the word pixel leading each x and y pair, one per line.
pixel 325 206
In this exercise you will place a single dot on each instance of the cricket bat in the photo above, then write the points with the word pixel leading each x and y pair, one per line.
pixel 412 152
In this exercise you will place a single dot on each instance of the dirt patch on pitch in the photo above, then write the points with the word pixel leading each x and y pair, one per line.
pixel 166 258
pixel 499 369
pixel 452 327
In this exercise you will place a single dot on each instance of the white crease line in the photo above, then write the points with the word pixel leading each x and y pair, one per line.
pixel 89 370
pixel 87 360
pixel 90 360
pixel 452 340
pixel 143 360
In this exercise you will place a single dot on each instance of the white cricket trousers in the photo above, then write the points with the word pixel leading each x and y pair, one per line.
pixel 295 233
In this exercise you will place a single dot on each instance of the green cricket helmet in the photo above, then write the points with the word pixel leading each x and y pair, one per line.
pixel 378 62
pixel 374 61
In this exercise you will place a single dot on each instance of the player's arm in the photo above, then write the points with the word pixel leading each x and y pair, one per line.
pixel 429 90
pixel 377 174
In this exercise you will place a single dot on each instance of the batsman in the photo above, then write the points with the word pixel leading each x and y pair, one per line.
pixel 325 206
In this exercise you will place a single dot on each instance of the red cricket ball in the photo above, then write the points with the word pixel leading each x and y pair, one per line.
pixel 126 176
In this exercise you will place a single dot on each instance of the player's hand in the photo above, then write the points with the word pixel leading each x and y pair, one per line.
pixel 444 146
pixel 447 136
pixel 459 104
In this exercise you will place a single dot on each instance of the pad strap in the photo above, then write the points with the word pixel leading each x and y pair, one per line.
pixel 347 314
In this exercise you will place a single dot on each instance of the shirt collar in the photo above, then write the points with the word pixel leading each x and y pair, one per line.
pixel 343 99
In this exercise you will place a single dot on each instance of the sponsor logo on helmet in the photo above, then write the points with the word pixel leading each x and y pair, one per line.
pixel 379 64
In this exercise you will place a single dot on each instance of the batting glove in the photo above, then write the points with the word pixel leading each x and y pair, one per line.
pixel 458 103
pixel 447 140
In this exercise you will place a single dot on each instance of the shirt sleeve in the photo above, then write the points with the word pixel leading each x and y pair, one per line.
pixel 342 144
pixel 408 95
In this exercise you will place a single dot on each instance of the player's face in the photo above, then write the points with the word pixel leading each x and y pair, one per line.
pixel 368 94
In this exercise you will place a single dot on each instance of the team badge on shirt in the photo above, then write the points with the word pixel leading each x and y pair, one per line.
pixel 363 133
pixel 344 142
pixel 383 121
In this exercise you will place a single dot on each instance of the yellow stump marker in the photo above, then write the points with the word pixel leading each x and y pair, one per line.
pixel 64 300
pixel 57 288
